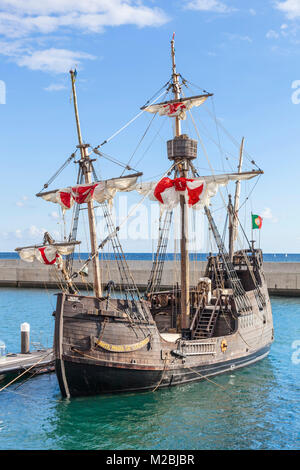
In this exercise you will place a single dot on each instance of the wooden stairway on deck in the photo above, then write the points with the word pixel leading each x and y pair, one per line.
pixel 207 321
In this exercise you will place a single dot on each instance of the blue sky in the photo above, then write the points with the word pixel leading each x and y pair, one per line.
pixel 245 52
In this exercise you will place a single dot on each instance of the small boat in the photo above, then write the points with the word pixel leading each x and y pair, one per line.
pixel 163 337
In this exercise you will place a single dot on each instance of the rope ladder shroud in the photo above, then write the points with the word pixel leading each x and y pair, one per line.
pixel 155 278
pixel 241 299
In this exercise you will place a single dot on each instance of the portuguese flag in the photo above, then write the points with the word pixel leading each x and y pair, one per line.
pixel 256 221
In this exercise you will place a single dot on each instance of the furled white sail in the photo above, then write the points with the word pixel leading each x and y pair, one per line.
pixel 177 107
pixel 197 191
pixel 47 254
pixel 100 192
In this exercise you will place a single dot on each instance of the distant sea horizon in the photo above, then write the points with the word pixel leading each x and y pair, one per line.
pixel 148 256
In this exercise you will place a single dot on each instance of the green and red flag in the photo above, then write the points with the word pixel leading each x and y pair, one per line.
pixel 256 221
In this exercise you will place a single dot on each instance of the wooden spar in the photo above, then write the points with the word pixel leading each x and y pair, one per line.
pixel 183 169
pixel 85 162
pixel 234 219
pixel 185 288
pixel 176 87
pixel 230 227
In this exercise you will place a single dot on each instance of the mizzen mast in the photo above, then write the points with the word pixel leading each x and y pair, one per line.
pixel 235 209
pixel 85 163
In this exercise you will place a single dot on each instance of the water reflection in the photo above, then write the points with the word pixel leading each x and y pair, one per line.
pixel 260 409
pixel 196 416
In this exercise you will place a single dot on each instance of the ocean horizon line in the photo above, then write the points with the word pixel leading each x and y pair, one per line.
pixel 149 256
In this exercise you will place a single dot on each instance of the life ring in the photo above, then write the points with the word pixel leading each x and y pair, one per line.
pixel 223 345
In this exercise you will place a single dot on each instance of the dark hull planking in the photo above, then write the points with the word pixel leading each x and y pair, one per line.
pixel 91 379
pixel 85 368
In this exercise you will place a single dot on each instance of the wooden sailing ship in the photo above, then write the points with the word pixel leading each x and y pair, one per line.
pixel 163 337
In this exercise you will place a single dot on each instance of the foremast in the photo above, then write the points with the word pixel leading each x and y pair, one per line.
pixel 182 168
pixel 85 163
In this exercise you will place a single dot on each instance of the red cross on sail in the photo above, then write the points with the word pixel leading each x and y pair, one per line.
pixel 177 107
pixel 197 191
pixel 168 191
pixel 174 109
pixel 65 198
pixel 100 191
pixel 47 254
pixel 83 193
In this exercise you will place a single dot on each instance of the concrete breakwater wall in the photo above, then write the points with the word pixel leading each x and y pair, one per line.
pixel 282 278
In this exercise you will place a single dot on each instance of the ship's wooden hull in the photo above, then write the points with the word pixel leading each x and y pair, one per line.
pixel 88 378
pixel 93 355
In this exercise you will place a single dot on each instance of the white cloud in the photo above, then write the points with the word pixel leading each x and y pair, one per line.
pixel 272 34
pixel 288 31
pixel 291 8
pixel 36 232
pixel 23 18
pixel 252 12
pixel 267 214
pixel 46 7
pixel 209 5
pixel 25 236
pixel 12 49
pixel 54 215
pixel 55 87
pixel 22 201
pixel 238 37
pixel 48 60
pixel 32 232
pixel 53 60
pixel 18 233
pixel 23 24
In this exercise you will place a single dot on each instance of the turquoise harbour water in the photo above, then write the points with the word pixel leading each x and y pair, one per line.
pixel 259 410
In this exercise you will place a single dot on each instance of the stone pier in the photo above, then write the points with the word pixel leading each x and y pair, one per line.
pixel 282 278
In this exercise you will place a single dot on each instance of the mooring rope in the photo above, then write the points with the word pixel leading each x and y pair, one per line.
pixel 206 378
pixel 162 375
pixel 25 371
pixel 193 370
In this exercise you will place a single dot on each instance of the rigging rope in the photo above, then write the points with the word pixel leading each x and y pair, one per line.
pixel 154 281
pixel 211 168
pixel 130 213
pixel 69 159
pixel 25 371
pixel 218 134
pixel 157 133
pixel 140 141
pixel 217 121
pixel 128 123
pixel 112 159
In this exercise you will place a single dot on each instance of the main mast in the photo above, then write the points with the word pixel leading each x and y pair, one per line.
pixel 85 163
pixel 182 168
